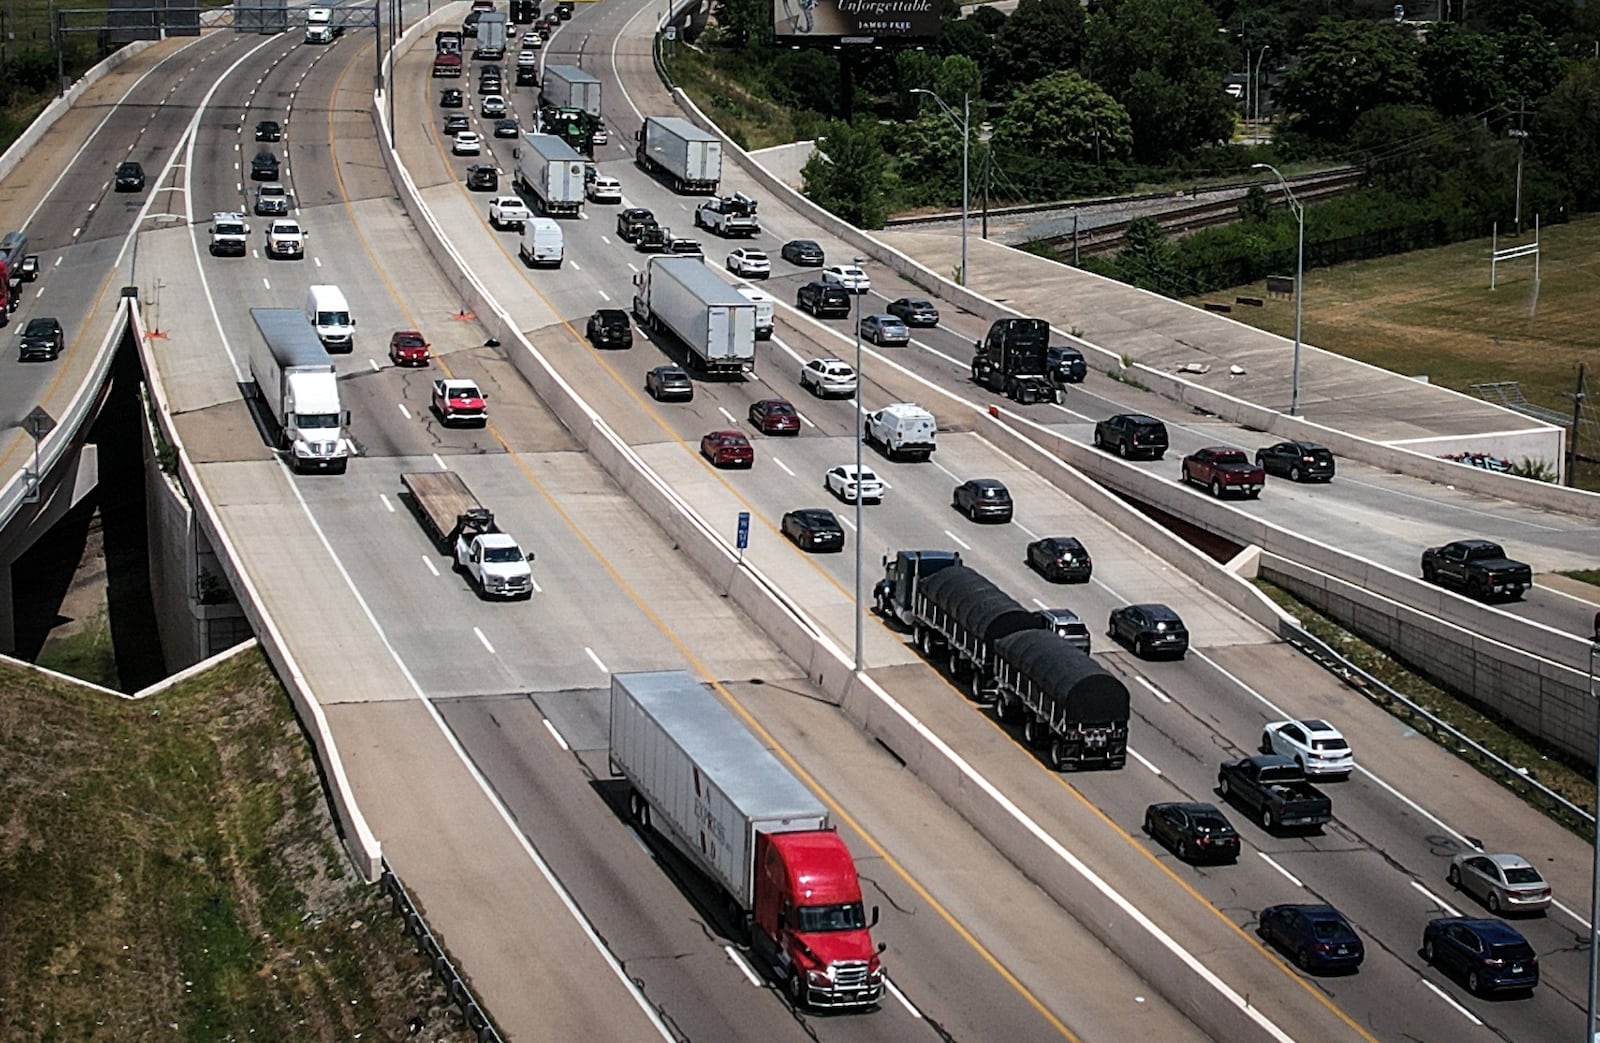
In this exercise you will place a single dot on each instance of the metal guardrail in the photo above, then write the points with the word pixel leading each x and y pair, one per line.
pixel 1319 651
pixel 460 993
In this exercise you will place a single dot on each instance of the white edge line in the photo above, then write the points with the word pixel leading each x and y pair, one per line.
pixel 385 498
pixel 556 735
pixel 1440 902
pixel 738 960
pixel 1464 1012
pixel 1158 693
pixel 431 566
pixel 897 994
pixel 596 659
pixel 484 639
pixel 1142 759
pixel 1269 860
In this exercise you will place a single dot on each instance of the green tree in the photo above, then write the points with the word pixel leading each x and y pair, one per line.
pixel 965 36
pixel 1066 117
pixel 1529 61
pixel 746 21
pixel 1039 38
pixel 1566 132
pixel 1164 61
pixel 1347 68
pixel 958 75
pixel 1407 149
pixel 1462 71
pixel 1148 260
pixel 848 175
pixel 1255 207
pixel 927 160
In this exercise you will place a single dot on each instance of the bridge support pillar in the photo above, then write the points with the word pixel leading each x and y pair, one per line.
pixel 73 480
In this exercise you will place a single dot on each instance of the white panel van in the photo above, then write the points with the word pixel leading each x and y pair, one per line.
pixel 329 314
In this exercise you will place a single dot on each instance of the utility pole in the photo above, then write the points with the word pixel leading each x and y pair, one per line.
pixel 1521 134
pixel 1572 440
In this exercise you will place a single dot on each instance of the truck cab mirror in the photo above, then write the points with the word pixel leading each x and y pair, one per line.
pixel 882 948
pixel 516 153
pixel 344 418
pixel 874 921
pixel 530 555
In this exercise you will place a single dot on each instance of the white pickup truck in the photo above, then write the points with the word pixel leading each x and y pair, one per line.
pixel 230 235
pixel 491 559
pixel 285 238
pixel 729 216
pixel 509 212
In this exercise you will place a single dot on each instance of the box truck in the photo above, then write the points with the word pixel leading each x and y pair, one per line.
pixel 690 158
pixel 491 45
pixel 716 322
pixel 710 788
pixel 299 390
pixel 550 171
pixel 569 87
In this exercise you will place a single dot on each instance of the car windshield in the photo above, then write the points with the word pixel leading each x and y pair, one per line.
pixel 408 340
pixel 309 421
pixel 674 377
pixel 502 555
pixel 779 409
pixel 990 493
pixel 847 916
pixel 1523 875
pixel 466 392
pixel 1330 930
pixel 330 318
pixel 753 255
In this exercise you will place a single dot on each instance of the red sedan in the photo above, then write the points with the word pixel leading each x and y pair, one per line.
pixel 408 348
pixel 774 416
pixel 728 449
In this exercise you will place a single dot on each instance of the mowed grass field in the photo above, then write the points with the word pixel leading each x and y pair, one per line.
pixel 1432 313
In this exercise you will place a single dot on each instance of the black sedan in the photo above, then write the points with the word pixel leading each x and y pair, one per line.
pixel 269 130
pixel 1490 955
pixel 451 98
pixel 41 339
pixel 814 529
pixel 264 167
pixel 1150 630
pixel 457 122
pixel 1316 937
pixel 129 177
pixel 1061 559
pixel 914 311
pixel 610 328
pixel 803 252
pixel 505 128
pixel 1195 832
pixel 1297 461
pixel 483 177
pixel 983 499
pixel 669 383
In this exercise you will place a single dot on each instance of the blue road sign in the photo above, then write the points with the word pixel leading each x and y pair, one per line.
pixel 744 529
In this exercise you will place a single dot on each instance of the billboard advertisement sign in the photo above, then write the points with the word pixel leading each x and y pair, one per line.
pixel 828 22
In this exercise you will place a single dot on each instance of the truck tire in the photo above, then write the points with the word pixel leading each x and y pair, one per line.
pixel 1266 743
pixel 638 808
pixel 1269 821
pixel 1429 573
pixel 1030 732
pixel 1216 488
pixel 1058 757
pixel 796 989
pixel 1222 784
pixel 1002 709
pixel 1122 450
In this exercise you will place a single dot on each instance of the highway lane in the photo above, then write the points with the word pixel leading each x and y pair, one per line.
pixel 557 295
pixel 540 648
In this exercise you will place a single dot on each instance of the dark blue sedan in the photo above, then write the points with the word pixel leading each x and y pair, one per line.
pixel 1490 955
pixel 1316 937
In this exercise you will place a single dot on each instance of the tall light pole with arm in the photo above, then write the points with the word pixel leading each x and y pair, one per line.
pixel 1255 81
pixel 962 124
pixel 860 532
pixel 1299 280
pixel 1591 1032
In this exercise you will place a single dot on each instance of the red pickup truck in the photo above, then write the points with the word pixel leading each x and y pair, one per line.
pixel 1224 471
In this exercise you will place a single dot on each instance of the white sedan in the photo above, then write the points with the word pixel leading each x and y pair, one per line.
pixel 847 275
pixel 467 143
pixel 1316 746
pixel 752 264
pixel 843 481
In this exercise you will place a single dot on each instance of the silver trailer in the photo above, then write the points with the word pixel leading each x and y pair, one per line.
pixel 552 172
pixel 714 320
pixel 569 87
pixel 491 37
pixel 710 785
pixel 690 157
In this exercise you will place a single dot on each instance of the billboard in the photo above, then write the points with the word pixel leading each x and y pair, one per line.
pixel 830 22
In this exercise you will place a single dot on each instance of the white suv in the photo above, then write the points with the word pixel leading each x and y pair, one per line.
pixel 604 189
pixel 750 263
pixel 828 377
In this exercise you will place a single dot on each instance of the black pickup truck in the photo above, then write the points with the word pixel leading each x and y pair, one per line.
pixel 1478 567
pixel 1275 790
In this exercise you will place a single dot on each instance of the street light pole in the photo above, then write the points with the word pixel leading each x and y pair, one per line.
pixel 1594 878
pixel 1299 280
pixel 1255 80
pixel 962 125
pixel 860 532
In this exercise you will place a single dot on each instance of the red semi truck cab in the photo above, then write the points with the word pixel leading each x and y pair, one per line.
pixel 809 914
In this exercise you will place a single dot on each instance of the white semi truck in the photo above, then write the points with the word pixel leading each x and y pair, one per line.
pixel 569 87
pixel 297 384
pixel 690 158
pixel 714 321
pixel 550 171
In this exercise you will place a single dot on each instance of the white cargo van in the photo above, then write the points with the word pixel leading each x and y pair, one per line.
pixel 329 314
pixel 903 429
pixel 764 308
pixel 542 243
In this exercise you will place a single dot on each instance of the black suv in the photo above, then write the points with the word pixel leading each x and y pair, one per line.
pixel 41 339
pixel 1132 434
pixel 450 98
pixel 268 130
pixel 483 177
pixel 610 328
pixel 983 499
pixel 823 300
pixel 1067 364
pixel 130 177
pixel 631 220
pixel 264 167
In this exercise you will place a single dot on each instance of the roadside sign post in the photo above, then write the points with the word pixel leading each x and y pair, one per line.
pixel 744 534
pixel 38 424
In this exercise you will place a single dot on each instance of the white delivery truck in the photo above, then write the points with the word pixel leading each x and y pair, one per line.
pixel 569 87
pixel 716 322
pixel 491 37
pixel 549 170
pixel 766 308
pixel 296 384
pixel 542 243
pixel 690 157
pixel 329 314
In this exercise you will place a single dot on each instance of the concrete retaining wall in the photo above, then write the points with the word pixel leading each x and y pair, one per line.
pixel 359 840
pixel 1540 443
